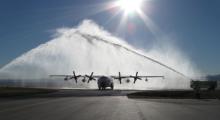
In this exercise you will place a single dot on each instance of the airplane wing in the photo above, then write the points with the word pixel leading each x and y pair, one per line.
pixel 151 76
pixel 94 77
pixel 60 75
pixel 68 77
pixel 75 77
pixel 136 77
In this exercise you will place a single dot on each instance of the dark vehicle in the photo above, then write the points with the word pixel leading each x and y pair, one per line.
pixel 104 82
pixel 197 85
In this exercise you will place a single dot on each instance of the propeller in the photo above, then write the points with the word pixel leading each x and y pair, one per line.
pixel 119 77
pixel 90 77
pixel 75 76
pixel 135 77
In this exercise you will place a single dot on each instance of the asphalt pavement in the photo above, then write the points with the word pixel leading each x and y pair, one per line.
pixel 105 105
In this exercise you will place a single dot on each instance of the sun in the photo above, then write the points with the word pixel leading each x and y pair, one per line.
pixel 129 6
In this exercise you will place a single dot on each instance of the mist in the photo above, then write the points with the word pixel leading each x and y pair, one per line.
pixel 89 48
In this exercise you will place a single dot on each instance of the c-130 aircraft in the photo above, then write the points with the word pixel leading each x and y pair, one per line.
pixel 105 81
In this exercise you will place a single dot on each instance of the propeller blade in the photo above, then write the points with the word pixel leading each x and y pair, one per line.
pixel 119 77
pixel 74 73
pixel 136 77
pixel 75 76
pixel 87 76
pixel 135 80
pixel 119 80
pixel 91 75
pixel 136 74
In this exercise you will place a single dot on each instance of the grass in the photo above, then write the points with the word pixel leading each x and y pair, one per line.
pixel 19 91
pixel 176 94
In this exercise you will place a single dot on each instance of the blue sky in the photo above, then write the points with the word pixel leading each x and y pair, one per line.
pixel 194 25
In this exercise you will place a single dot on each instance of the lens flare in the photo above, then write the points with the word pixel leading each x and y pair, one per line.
pixel 129 6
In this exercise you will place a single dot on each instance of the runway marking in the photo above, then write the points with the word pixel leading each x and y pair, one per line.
pixel 30 105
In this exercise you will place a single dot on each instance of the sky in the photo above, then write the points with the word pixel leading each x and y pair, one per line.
pixel 192 25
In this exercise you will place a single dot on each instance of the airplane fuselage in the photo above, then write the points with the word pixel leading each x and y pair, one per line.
pixel 104 82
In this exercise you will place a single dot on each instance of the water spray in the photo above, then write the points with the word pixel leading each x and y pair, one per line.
pixel 88 37
pixel 88 48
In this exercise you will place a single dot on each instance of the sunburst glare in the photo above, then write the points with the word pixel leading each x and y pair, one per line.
pixel 129 6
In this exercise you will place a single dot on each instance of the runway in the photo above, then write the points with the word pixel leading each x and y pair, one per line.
pixel 105 105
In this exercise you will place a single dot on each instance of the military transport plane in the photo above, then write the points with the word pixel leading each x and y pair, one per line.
pixel 105 81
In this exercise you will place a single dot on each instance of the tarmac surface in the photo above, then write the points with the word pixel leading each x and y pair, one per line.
pixel 105 105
